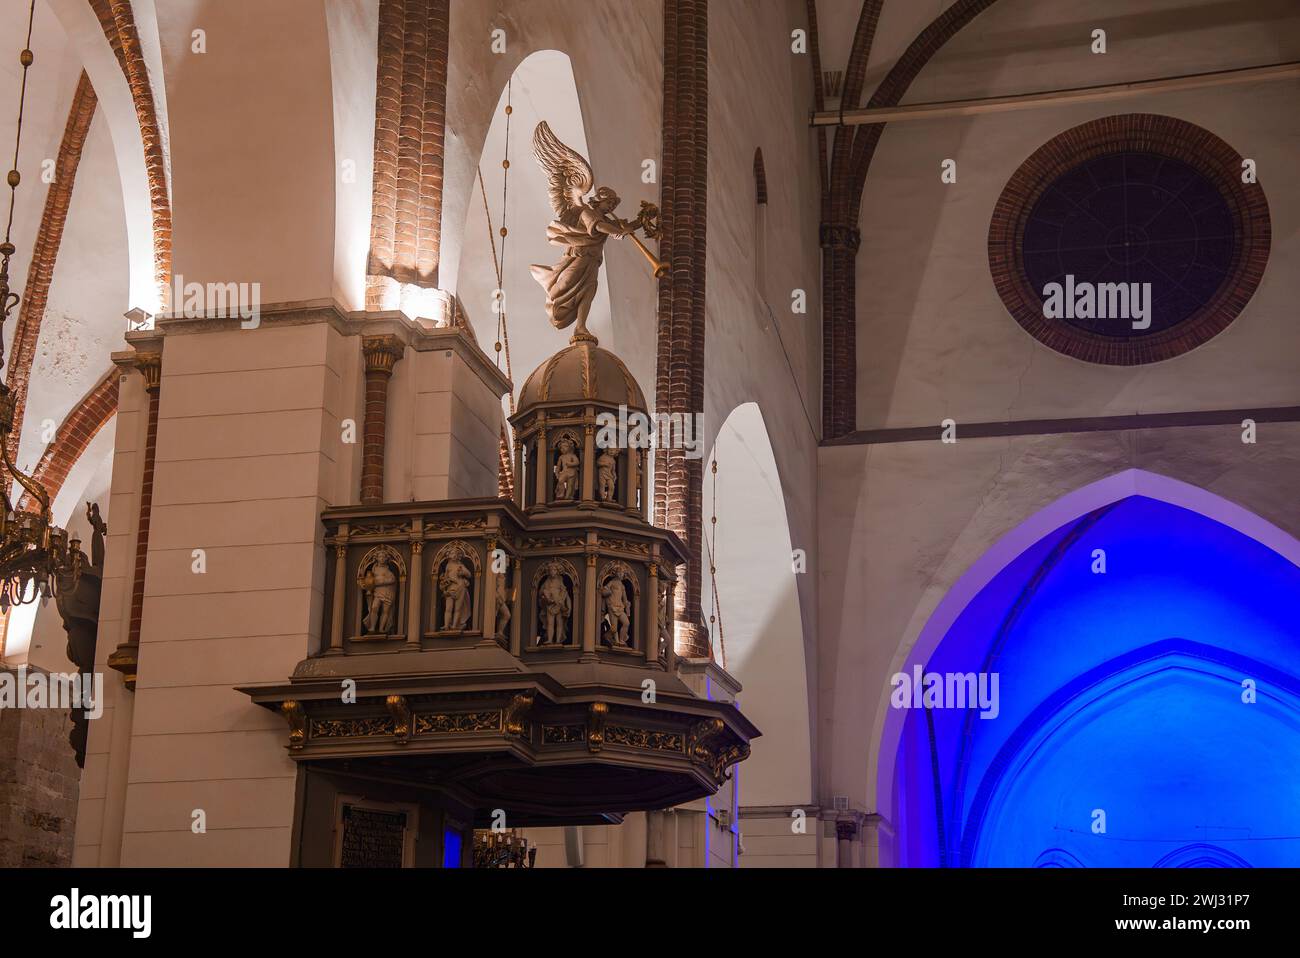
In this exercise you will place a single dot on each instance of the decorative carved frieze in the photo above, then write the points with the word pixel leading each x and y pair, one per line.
pixel 353 728
pixel 563 734
pixel 446 723
pixel 644 738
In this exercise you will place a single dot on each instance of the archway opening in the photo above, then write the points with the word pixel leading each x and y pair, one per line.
pixel 1124 689
pixel 757 631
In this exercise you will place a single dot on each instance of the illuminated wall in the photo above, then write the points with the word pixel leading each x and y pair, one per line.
pixel 1124 694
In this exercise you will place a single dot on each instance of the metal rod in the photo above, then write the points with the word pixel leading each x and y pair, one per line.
pixel 1029 101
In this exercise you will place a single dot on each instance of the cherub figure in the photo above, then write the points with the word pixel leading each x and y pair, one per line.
pixel 556 606
pixel 380 587
pixel 614 594
pixel 566 470
pixel 606 464
pixel 455 583
pixel 581 226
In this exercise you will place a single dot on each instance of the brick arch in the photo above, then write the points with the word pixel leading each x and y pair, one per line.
pixel 842 199
pixel 75 433
pixel 118 22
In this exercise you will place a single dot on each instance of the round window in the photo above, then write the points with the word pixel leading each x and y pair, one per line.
pixel 1129 239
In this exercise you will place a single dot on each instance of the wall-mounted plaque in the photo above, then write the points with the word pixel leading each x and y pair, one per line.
pixel 374 837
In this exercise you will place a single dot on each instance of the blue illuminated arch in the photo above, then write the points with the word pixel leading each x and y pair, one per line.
pixel 1088 659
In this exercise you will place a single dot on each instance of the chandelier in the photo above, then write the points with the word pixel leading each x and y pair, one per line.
pixel 37 558
pixel 503 850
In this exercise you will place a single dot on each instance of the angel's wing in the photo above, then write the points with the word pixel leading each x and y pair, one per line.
pixel 568 174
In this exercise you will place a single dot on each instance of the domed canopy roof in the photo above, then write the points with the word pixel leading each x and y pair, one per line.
pixel 582 372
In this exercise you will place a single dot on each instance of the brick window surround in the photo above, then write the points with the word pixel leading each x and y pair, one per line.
pixel 1144 133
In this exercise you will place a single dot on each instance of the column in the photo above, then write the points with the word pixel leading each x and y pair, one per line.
pixel 679 380
pixel 126 657
pixel 381 354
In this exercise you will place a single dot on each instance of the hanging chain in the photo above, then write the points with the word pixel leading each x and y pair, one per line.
pixel 715 617
pixel 499 262
pixel 8 299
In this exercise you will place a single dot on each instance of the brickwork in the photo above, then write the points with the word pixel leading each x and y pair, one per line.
pixel 118 22
pixel 679 380
pixel 410 124
pixel 380 352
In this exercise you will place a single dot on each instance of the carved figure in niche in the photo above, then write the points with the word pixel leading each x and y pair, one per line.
pixel 664 608
pixel 617 611
pixel 379 584
pixel 606 473
pixel 566 470
pixel 504 606
pixel 100 528
pixel 455 584
pixel 556 605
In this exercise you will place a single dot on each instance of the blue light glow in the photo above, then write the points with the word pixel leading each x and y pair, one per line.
pixel 1121 695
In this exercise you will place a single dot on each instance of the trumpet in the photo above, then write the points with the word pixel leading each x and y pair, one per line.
pixel 646 220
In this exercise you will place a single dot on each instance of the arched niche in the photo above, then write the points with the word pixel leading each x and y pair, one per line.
pixel 760 610
pixel 1130 680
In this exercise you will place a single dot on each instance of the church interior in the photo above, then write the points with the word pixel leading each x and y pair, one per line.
pixel 650 434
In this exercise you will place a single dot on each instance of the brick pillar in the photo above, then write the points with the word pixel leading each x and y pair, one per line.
pixel 679 380
pixel 381 353
pixel 839 240
pixel 410 127
pixel 126 657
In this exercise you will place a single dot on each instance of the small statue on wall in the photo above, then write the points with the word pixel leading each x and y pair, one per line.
pixel 556 606
pixel 455 583
pixel 616 611
pixel 607 474
pixel 379 586
pixel 504 613
pixel 100 530
pixel 566 469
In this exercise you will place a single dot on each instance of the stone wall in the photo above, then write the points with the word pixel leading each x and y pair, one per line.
pixel 39 780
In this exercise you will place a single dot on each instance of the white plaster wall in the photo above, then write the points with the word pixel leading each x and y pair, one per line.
pixel 252 138
pixel 353 29
pixel 756 348
pixel 935 341
pixel 51 83
pixel 83 320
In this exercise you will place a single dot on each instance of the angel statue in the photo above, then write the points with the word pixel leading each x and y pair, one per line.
pixel 581 226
